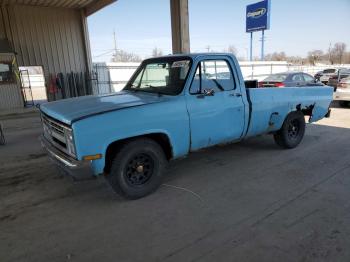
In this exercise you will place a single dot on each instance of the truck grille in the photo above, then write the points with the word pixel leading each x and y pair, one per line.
pixel 55 133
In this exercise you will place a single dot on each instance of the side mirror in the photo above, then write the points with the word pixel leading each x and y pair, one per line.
pixel 208 92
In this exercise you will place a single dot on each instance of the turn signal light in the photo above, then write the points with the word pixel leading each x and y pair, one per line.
pixel 92 157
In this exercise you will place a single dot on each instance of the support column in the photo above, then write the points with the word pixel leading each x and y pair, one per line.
pixel 87 50
pixel 180 26
pixel 251 46
pixel 262 45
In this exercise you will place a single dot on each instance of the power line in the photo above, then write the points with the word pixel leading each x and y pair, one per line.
pixel 106 53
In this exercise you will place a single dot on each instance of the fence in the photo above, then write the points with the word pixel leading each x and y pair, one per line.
pixel 312 70
pixel 112 77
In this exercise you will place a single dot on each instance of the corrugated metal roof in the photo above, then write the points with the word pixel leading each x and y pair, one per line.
pixel 52 3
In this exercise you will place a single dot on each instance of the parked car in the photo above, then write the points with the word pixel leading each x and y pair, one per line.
pixel 168 109
pixel 334 80
pixel 289 79
pixel 342 94
pixel 324 75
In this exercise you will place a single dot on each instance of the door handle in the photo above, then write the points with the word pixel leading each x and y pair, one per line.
pixel 236 95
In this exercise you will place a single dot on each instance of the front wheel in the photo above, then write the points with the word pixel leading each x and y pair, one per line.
pixel 137 168
pixel 292 130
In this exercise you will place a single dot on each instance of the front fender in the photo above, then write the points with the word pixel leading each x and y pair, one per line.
pixel 93 135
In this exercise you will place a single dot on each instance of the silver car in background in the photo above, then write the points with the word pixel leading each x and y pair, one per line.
pixel 343 92
pixel 324 75
pixel 335 79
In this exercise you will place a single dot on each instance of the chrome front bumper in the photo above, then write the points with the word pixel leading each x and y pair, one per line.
pixel 79 170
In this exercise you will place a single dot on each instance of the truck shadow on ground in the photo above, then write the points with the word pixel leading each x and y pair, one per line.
pixel 221 158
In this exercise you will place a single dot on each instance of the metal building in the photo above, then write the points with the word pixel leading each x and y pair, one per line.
pixel 47 33
pixel 53 35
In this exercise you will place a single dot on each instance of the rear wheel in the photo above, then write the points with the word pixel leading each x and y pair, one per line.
pixel 137 168
pixel 2 136
pixel 292 130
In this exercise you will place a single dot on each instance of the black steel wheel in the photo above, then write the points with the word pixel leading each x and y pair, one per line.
pixel 137 168
pixel 292 130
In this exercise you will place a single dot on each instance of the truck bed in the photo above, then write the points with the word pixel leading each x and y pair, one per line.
pixel 269 106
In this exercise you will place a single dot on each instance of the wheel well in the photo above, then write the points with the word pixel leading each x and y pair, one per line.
pixel 307 111
pixel 114 147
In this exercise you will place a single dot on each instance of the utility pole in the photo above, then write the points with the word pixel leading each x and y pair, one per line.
pixel 251 46
pixel 262 45
pixel 329 52
pixel 115 46
pixel 208 48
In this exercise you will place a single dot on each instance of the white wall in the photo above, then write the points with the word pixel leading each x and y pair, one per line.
pixel 119 73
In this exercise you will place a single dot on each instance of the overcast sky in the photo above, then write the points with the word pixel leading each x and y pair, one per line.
pixel 297 26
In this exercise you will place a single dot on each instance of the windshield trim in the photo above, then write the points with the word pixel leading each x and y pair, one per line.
pixel 163 59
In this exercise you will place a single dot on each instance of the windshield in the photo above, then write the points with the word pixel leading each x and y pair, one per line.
pixel 276 77
pixel 161 75
pixel 344 71
pixel 329 71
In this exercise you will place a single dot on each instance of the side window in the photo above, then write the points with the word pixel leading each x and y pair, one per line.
pixel 213 74
pixel 195 85
pixel 308 78
pixel 297 77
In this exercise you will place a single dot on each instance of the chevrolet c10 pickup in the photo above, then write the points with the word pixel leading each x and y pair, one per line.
pixel 170 107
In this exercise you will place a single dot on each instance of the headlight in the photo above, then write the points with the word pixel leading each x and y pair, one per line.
pixel 70 141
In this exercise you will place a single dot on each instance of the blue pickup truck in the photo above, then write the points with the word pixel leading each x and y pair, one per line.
pixel 171 106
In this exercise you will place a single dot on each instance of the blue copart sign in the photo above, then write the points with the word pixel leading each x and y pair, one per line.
pixel 258 16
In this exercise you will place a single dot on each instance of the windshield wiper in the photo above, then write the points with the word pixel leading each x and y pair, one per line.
pixel 154 89
pixel 130 88
pixel 150 86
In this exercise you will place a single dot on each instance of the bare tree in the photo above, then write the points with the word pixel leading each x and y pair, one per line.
pixel 338 51
pixel 314 56
pixel 296 60
pixel 347 58
pixel 232 49
pixel 123 56
pixel 276 56
pixel 157 52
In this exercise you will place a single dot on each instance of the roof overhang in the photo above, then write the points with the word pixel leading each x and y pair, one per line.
pixel 88 6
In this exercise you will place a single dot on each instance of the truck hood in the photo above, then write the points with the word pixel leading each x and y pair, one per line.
pixel 73 109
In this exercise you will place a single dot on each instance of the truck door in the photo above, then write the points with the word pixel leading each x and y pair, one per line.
pixel 215 105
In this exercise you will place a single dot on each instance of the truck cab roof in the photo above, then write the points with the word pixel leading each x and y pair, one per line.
pixel 191 55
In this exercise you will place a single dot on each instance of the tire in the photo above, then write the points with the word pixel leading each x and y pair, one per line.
pixel 344 103
pixel 137 168
pixel 292 131
pixel 2 136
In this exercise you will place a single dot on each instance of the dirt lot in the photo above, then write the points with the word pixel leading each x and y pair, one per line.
pixel 251 201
